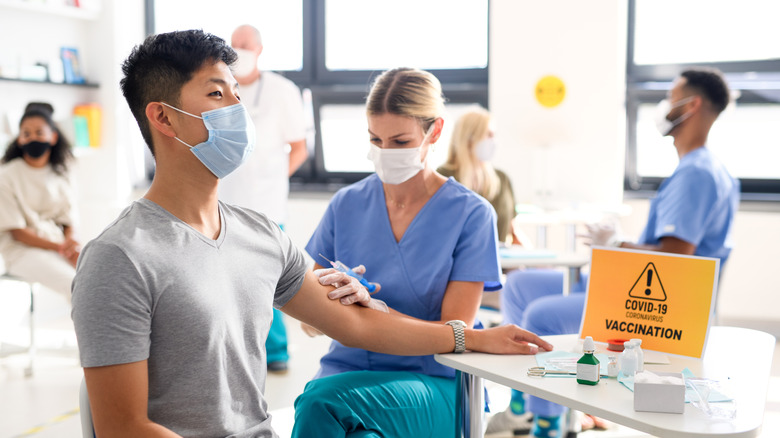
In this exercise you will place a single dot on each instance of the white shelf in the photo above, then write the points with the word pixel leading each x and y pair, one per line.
pixel 53 8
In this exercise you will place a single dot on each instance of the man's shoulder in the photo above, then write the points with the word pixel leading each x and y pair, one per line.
pixel 700 168
pixel 117 231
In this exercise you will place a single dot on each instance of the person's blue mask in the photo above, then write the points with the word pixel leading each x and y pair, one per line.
pixel 231 138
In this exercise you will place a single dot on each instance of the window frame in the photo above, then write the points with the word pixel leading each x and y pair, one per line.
pixel 350 87
pixel 649 84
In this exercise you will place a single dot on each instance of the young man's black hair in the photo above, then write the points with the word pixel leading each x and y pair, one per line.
pixel 710 84
pixel 156 70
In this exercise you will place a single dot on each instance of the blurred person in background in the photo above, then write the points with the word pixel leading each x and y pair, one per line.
pixel 37 210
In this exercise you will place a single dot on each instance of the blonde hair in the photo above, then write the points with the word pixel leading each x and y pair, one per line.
pixel 477 175
pixel 407 92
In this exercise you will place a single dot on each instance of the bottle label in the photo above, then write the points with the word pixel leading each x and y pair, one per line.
pixel 588 372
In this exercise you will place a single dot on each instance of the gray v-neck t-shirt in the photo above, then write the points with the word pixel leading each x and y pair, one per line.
pixel 151 287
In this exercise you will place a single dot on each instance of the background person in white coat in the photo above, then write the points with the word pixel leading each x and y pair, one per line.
pixel 262 182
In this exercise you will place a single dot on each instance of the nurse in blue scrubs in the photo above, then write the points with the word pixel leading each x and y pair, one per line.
pixel 430 243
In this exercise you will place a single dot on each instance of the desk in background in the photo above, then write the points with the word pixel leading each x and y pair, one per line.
pixel 519 257
pixel 746 380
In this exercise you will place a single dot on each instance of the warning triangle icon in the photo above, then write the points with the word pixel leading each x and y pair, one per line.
pixel 648 286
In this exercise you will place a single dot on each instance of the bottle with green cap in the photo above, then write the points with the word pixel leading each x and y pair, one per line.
pixel 588 367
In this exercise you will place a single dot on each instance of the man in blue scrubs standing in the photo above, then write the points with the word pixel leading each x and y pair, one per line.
pixel 692 214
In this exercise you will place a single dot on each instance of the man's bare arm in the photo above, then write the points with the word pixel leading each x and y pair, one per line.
pixel 119 398
pixel 360 327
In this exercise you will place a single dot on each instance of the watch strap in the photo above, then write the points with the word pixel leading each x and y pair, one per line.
pixel 458 329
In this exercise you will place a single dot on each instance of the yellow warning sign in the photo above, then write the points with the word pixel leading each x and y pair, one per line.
pixel 648 289
pixel 664 299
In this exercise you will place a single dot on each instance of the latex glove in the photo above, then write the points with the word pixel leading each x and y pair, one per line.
pixel 601 235
pixel 348 290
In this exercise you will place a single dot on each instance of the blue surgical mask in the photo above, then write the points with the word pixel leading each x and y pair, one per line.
pixel 231 138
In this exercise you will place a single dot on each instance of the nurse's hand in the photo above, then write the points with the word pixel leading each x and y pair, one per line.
pixel 348 289
pixel 505 339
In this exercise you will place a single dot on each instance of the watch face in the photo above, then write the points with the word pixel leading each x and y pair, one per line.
pixel 457 322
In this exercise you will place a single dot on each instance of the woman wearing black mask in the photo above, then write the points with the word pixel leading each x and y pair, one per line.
pixel 36 213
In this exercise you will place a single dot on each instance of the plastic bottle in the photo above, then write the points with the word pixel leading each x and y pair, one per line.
pixel 588 367
pixel 628 360
pixel 640 355
pixel 612 367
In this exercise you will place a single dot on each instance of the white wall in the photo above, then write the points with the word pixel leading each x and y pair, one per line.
pixel 106 175
pixel 103 175
pixel 572 153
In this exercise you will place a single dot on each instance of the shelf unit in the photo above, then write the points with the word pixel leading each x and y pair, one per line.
pixel 52 8
pixel 29 81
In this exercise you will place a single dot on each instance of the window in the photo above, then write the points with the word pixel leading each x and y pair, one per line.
pixel 332 49
pixel 345 137
pixel 667 36
pixel 280 24
pixel 747 130
pixel 426 38
pixel 695 31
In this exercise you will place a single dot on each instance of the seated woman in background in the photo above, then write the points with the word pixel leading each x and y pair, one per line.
pixel 472 147
pixel 431 244
pixel 36 204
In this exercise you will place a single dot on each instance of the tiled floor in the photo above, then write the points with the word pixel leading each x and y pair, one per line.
pixel 45 405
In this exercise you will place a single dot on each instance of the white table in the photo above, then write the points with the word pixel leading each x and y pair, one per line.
pixel 746 380
pixel 518 257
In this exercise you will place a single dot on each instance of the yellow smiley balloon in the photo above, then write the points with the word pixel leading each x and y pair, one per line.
pixel 550 91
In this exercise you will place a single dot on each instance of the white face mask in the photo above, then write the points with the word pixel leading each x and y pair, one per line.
pixel 486 149
pixel 246 63
pixel 663 109
pixel 397 165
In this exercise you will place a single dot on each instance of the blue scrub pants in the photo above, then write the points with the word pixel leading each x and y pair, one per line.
pixel 276 343
pixel 376 404
pixel 533 299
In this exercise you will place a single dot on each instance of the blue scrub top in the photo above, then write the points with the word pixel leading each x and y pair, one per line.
pixel 696 204
pixel 452 238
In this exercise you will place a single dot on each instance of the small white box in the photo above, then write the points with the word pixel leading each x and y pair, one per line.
pixel 660 397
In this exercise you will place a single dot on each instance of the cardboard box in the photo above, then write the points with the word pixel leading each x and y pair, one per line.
pixel 660 397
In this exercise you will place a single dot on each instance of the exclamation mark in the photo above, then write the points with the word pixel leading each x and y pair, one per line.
pixel 649 281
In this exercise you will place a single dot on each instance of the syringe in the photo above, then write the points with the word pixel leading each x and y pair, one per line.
pixel 337 265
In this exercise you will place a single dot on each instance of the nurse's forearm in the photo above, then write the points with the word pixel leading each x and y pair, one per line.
pixel 667 244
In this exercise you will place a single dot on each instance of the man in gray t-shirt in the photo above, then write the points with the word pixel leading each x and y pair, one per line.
pixel 172 302
pixel 152 287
